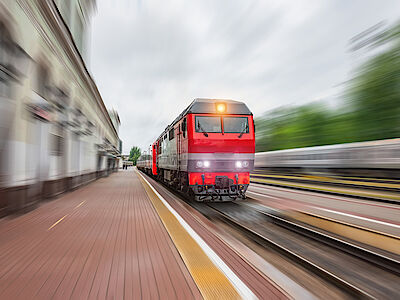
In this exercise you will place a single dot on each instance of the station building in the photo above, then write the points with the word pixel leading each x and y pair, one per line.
pixel 55 131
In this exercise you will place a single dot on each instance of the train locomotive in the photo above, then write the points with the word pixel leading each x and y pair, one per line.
pixel 207 152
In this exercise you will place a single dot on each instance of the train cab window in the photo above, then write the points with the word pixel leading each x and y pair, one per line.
pixel 208 124
pixel 236 125
pixel 184 128
pixel 171 134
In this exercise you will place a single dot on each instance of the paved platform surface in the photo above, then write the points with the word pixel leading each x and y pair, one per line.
pixel 104 240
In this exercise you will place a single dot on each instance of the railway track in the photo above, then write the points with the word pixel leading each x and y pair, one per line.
pixel 379 259
pixel 361 273
pixel 385 184
pixel 371 189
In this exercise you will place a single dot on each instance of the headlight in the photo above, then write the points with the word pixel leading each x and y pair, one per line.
pixel 238 164
pixel 245 164
pixel 203 164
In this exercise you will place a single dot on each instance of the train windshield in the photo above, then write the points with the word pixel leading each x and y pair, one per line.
pixel 236 125
pixel 208 124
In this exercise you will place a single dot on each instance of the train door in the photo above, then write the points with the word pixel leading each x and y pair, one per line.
pixel 179 147
pixel 183 147
pixel 154 160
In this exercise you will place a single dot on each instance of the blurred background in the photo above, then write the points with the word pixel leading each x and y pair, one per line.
pixel 55 131
pixel 367 109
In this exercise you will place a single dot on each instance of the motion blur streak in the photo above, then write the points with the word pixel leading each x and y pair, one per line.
pixel 370 106
pixel 55 131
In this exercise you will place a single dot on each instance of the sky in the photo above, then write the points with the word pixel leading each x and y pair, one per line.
pixel 150 59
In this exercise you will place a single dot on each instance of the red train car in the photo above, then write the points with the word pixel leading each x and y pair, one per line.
pixel 207 152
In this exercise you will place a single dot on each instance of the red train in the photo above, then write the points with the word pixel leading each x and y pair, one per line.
pixel 207 152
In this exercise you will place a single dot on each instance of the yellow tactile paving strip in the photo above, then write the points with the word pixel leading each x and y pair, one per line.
pixel 210 280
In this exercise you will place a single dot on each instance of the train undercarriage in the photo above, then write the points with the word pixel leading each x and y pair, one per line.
pixel 221 190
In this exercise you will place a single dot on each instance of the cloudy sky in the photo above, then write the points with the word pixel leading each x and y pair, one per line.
pixel 151 58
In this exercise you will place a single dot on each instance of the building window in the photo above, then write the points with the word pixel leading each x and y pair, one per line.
pixel 42 80
pixel 57 145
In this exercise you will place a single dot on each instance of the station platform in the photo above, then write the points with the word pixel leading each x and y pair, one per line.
pixel 118 238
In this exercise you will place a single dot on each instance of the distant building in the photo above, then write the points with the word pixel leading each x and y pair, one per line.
pixel 55 131
pixel 125 156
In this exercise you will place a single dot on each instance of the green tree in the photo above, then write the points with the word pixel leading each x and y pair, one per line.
pixel 375 90
pixel 370 111
pixel 293 127
pixel 134 154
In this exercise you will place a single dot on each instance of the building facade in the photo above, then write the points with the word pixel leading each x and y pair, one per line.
pixel 55 131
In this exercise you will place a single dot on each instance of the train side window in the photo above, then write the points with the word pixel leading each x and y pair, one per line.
pixel 184 127
pixel 171 134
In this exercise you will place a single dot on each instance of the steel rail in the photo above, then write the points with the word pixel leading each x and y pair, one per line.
pixel 383 261
pixel 336 280
pixel 319 188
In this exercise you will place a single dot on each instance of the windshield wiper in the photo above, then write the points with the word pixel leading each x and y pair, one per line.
pixel 243 131
pixel 202 129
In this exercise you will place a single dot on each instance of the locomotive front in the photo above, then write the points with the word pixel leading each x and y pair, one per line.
pixel 221 148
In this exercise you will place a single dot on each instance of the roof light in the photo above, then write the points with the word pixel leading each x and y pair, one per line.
pixel 221 107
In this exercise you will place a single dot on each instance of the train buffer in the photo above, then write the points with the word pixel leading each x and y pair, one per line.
pixel 121 238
